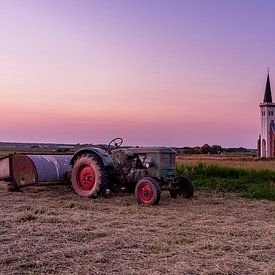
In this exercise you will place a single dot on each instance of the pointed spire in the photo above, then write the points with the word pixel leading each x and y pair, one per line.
pixel 267 94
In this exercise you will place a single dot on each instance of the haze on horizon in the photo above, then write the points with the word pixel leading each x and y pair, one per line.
pixel 157 72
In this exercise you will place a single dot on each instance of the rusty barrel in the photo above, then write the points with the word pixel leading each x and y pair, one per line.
pixel 31 169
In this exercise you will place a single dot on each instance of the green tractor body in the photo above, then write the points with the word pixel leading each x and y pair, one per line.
pixel 143 170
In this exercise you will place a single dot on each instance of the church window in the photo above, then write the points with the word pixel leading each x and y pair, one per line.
pixel 272 113
pixel 269 113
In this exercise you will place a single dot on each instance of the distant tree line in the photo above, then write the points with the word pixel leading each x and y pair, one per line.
pixel 214 149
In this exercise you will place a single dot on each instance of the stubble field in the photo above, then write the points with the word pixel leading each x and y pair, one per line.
pixel 227 161
pixel 49 229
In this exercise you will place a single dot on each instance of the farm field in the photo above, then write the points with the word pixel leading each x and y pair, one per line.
pixel 49 229
pixel 228 161
pixel 5 152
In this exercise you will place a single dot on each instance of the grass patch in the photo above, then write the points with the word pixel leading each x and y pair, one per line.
pixel 182 240
pixel 27 265
pixel 252 183
pixel 159 247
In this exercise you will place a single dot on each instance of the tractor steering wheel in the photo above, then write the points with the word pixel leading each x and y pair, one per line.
pixel 115 143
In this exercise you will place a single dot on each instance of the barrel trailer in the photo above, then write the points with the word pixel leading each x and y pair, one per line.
pixel 95 170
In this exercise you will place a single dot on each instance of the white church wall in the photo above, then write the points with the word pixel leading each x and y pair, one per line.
pixel 267 113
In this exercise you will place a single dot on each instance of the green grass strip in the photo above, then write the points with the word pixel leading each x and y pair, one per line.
pixel 252 183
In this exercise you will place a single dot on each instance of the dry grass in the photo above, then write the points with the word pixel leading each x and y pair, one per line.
pixel 228 161
pixel 52 230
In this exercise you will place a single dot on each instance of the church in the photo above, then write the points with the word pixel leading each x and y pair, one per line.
pixel 266 141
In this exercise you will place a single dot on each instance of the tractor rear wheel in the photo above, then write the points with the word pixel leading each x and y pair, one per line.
pixel 89 176
pixel 147 191
pixel 184 188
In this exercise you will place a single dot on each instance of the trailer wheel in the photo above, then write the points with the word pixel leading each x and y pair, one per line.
pixel 184 188
pixel 89 176
pixel 147 191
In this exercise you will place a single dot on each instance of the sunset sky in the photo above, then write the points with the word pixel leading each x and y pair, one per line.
pixel 155 72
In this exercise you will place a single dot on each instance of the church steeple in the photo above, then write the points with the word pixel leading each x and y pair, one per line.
pixel 266 143
pixel 267 94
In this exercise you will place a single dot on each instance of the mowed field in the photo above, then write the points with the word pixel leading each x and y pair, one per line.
pixel 49 229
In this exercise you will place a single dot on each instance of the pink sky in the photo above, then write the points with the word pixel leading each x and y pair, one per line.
pixel 175 73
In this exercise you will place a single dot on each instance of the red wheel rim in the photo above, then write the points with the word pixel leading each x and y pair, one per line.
pixel 86 178
pixel 145 192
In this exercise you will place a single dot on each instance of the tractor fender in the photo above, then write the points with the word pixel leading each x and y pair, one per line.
pixel 102 154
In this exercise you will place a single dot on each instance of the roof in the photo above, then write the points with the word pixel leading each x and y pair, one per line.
pixel 267 94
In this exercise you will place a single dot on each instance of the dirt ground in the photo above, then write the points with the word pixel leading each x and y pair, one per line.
pixel 52 230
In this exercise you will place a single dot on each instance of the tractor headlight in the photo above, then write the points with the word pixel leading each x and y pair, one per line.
pixel 148 162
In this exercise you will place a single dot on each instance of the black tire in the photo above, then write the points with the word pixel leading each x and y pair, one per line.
pixel 89 176
pixel 184 188
pixel 147 191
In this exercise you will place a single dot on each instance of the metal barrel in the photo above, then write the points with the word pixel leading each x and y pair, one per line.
pixel 51 167
pixel 31 169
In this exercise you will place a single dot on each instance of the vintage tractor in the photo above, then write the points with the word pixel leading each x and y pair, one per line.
pixel 144 170
pixel 94 170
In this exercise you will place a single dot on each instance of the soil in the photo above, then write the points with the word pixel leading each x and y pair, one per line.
pixel 49 229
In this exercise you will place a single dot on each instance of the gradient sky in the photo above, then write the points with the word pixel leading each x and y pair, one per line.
pixel 155 72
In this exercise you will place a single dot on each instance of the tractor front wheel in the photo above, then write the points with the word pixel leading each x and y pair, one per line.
pixel 147 191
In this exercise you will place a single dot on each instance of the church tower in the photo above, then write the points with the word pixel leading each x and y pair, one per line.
pixel 266 142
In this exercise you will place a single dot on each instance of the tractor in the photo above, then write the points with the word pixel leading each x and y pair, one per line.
pixel 142 170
